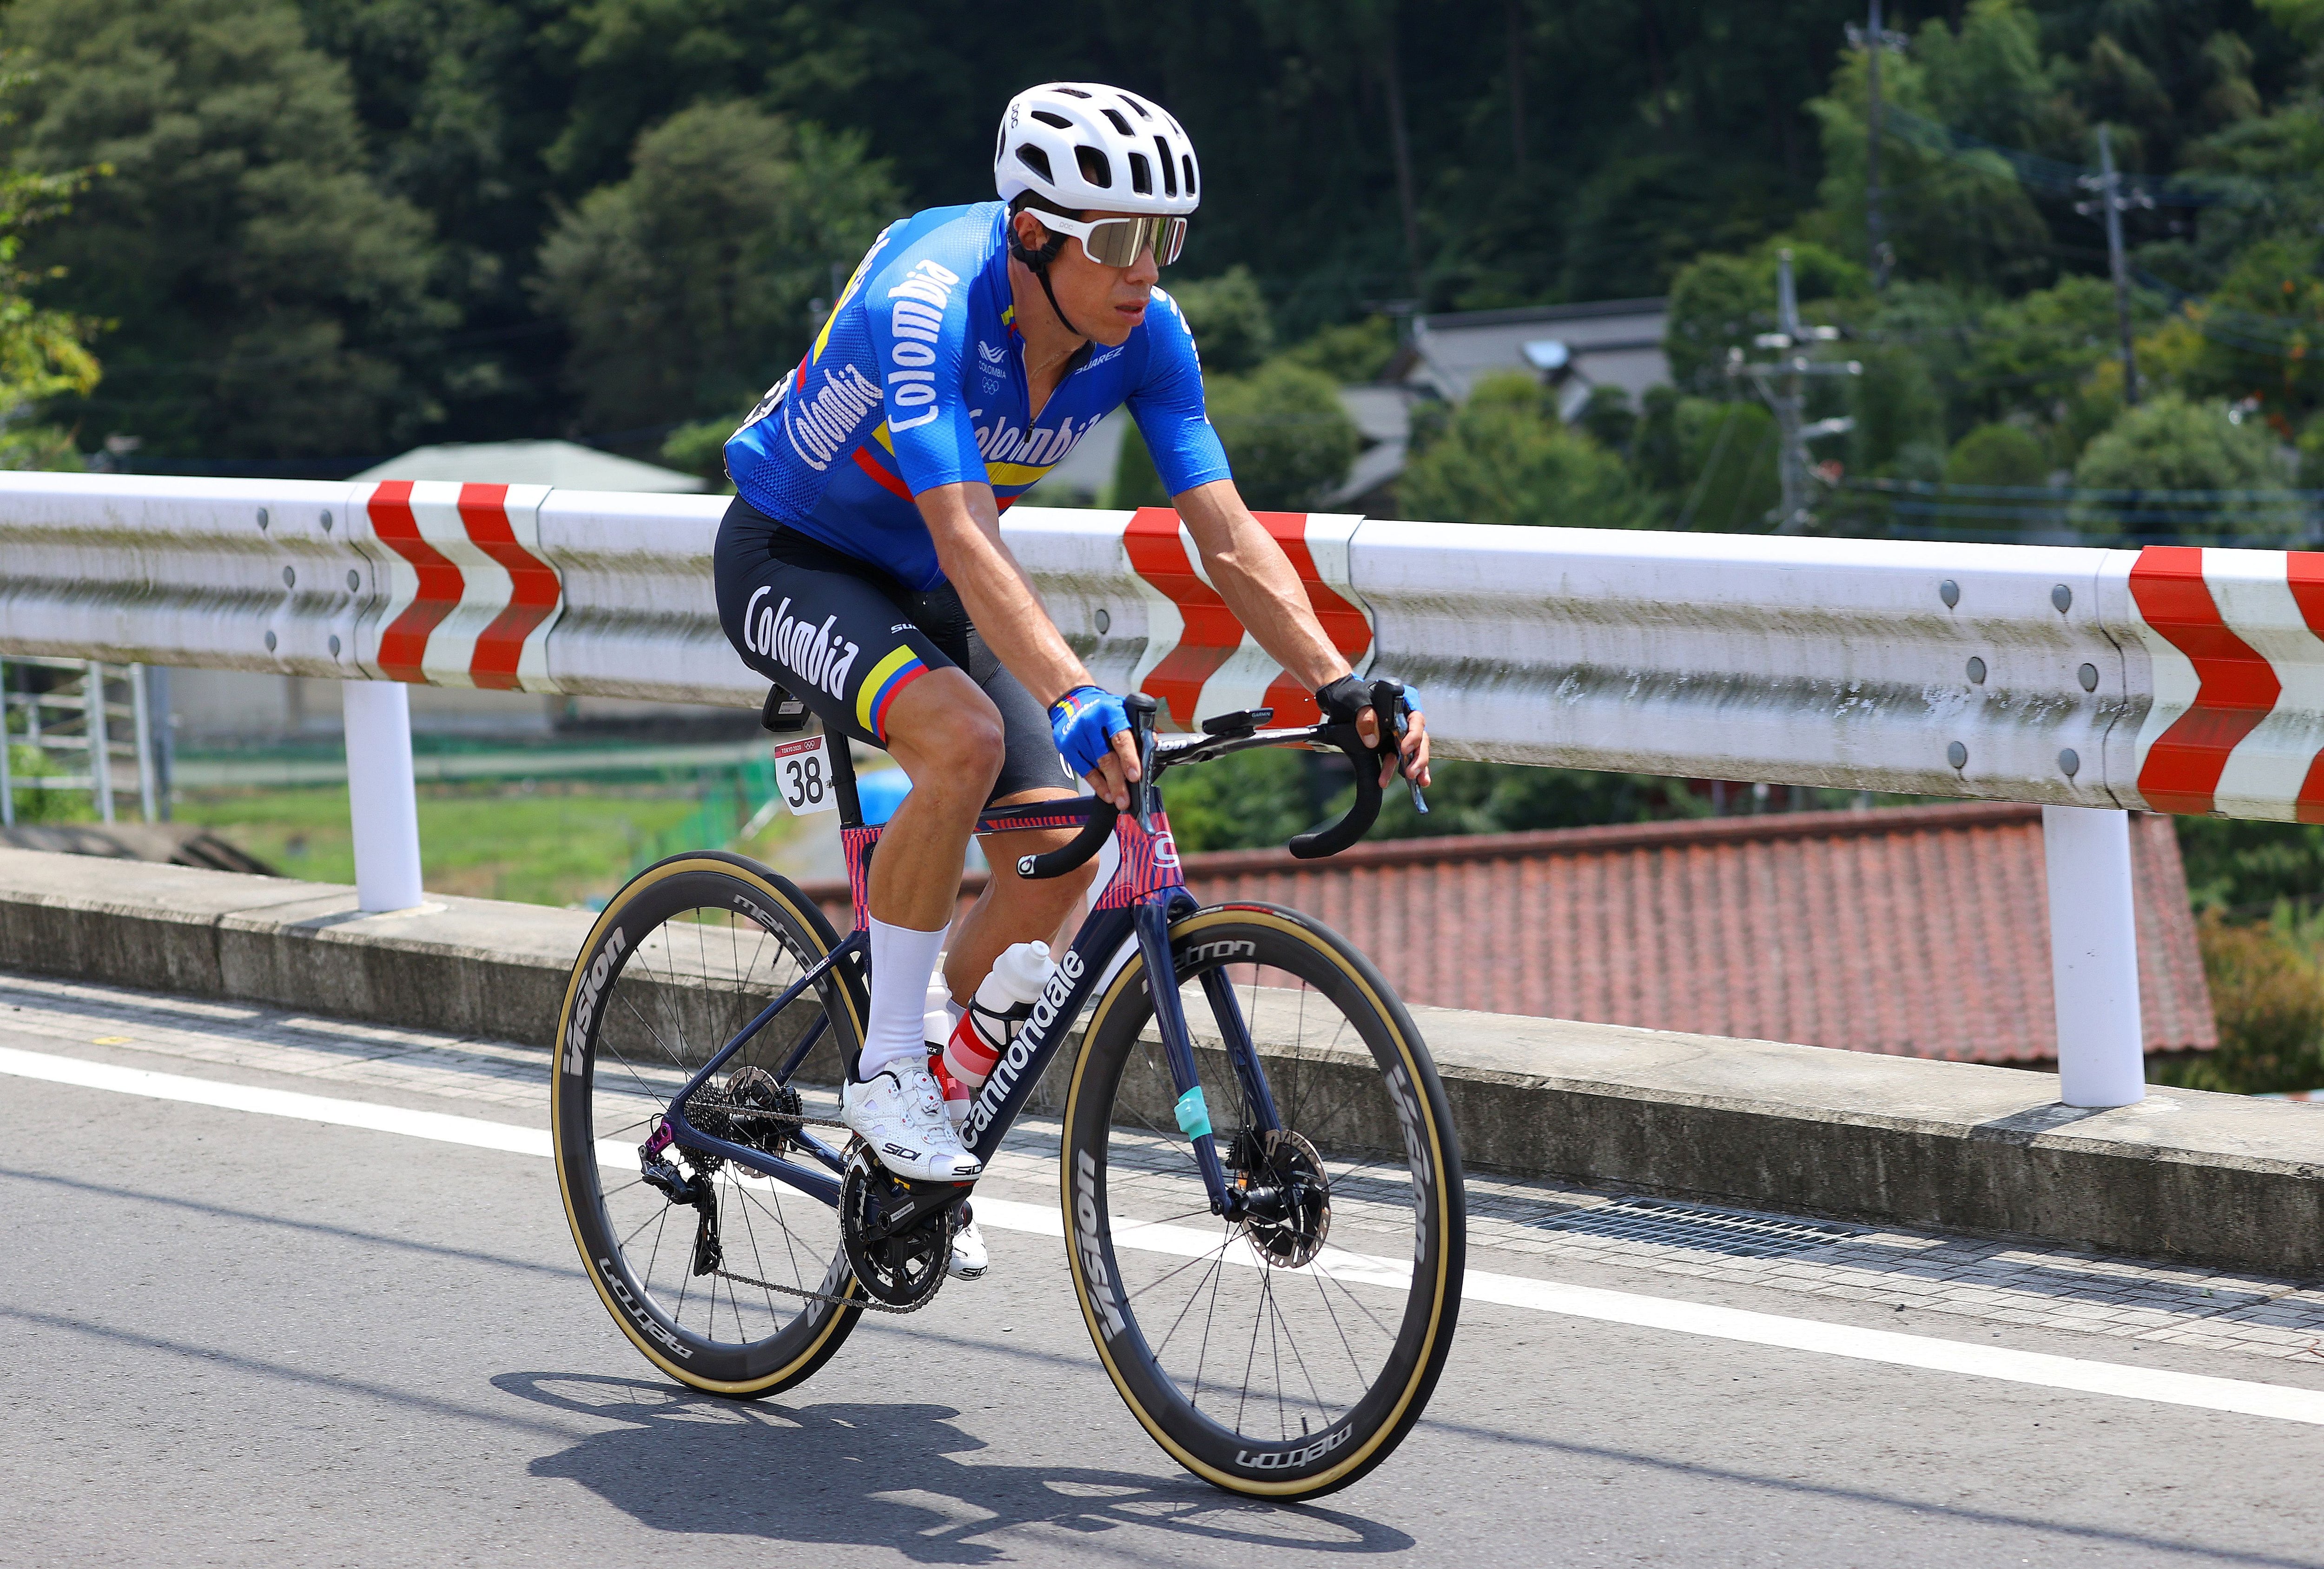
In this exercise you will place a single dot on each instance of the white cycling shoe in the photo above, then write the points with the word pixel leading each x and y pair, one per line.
pixel 901 1114
pixel 968 1256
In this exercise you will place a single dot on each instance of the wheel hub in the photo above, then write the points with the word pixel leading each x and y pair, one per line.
pixel 1286 1199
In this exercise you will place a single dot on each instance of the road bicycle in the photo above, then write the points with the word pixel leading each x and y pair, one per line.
pixel 1261 1191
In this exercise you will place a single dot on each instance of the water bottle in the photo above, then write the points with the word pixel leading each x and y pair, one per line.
pixel 1000 1008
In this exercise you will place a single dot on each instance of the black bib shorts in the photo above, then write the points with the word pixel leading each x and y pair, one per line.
pixel 846 639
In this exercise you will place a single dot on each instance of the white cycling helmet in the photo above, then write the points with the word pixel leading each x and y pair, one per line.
pixel 1085 145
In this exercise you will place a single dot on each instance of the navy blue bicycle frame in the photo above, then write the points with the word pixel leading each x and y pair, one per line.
pixel 1146 894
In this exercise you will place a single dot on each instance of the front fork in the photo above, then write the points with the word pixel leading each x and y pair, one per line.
pixel 1154 919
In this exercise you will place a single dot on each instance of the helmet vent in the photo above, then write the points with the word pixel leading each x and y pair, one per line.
pixel 1120 123
pixel 1094 167
pixel 1141 177
pixel 1190 174
pixel 1073 92
pixel 1050 117
pixel 1034 159
pixel 1169 169
pixel 1131 99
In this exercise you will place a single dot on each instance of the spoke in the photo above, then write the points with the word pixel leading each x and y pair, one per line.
pixel 1325 1298
pixel 1218 1253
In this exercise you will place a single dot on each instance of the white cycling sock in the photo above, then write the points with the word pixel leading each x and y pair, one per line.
pixel 901 959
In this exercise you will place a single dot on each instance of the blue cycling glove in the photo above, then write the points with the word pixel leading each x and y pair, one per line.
pixel 1085 722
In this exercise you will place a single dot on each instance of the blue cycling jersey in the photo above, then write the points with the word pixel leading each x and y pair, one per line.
pixel 918 379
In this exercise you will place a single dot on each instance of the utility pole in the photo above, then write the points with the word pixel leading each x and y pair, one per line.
pixel 2110 200
pixel 1783 386
pixel 1872 40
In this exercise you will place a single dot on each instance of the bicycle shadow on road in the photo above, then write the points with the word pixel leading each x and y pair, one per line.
pixel 878 1475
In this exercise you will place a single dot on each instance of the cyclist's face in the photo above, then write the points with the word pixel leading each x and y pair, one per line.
pixel 1106 303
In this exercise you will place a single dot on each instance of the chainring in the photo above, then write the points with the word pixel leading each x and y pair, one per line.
pixel 903 1270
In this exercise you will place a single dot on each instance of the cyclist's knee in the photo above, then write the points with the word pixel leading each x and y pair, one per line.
pixel 947 723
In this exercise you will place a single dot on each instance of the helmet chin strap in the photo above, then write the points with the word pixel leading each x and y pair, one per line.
pixel 1038 263
pixel 1042 272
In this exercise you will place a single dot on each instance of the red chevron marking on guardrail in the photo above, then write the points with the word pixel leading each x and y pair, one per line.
pixel 2236 688
pixel 533 586
pixel 1343 624
pixel 1211 635
pixel 403 645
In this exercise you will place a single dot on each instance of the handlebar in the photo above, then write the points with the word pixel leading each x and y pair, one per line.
pixel 1224 735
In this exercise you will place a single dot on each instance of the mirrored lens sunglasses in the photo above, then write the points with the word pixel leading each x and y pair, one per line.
pixel 1118 242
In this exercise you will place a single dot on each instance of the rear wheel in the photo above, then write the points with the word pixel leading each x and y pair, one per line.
pixel 1287 1354
pixel 727 1280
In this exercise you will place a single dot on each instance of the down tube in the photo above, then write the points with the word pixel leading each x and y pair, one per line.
pixel 1085 964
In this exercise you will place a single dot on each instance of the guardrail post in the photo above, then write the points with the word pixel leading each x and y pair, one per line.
pixel 99 738
pixel 381 804
pixel 2094 956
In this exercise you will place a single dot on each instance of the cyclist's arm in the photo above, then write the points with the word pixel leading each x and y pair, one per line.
pixel 1260 586
pixel 965 521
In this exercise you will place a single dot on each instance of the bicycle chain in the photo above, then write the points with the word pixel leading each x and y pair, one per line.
pixel 867 1301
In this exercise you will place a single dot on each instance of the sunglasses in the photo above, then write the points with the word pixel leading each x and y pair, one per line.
pixel 1120 242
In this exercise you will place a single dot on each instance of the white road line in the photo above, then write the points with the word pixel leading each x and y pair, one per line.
pixel 2238 1396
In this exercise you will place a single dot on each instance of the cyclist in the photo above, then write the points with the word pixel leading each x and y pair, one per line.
pixel 861 565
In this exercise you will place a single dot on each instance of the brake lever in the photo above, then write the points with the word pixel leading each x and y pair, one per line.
pixel 1142 709
pixel 1393 714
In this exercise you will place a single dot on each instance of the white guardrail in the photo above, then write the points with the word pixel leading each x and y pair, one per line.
pixel 2176 679
pixel 2173 679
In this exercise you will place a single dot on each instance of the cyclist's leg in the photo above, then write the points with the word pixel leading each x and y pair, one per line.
pixel 832 632
pixel 1012 909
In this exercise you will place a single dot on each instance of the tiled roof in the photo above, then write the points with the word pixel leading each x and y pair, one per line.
pixel 1919 932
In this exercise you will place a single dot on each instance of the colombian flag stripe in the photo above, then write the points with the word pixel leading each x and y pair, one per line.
pixel 891 676
pixel 891 483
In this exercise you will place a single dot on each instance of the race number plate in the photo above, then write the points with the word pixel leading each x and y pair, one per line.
pixel 803 776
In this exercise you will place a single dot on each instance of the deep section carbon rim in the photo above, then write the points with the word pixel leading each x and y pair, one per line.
pixel 725 1278
pixel 1289 1351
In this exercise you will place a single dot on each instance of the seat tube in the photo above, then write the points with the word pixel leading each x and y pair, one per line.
pixel 1170 1019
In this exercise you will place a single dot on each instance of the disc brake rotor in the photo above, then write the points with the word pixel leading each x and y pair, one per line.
pixel 1288 1200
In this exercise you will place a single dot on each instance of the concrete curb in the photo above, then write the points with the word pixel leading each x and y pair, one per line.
pixel 2214 1178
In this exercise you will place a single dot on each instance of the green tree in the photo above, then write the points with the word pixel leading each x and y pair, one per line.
pixel 1287 440
pixel 2169 444
pixel 1997 454
pixel 684 287
pixel 268 299
pixel 2268 997
pixel 1228 316
pixel 1353 353
pixel 1711 463
pixel 1506 458
pixel 1719 304
pixel 1961 216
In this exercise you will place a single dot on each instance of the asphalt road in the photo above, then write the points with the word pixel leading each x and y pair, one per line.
pixel 234 1337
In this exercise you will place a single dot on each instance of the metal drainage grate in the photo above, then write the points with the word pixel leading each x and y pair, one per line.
pixel 1667 1225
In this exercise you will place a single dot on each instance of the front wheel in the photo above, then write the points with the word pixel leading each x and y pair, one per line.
pixel 1285 1353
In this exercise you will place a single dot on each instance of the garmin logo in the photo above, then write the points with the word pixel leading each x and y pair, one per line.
pixel 817 654
pixel 1021 1050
